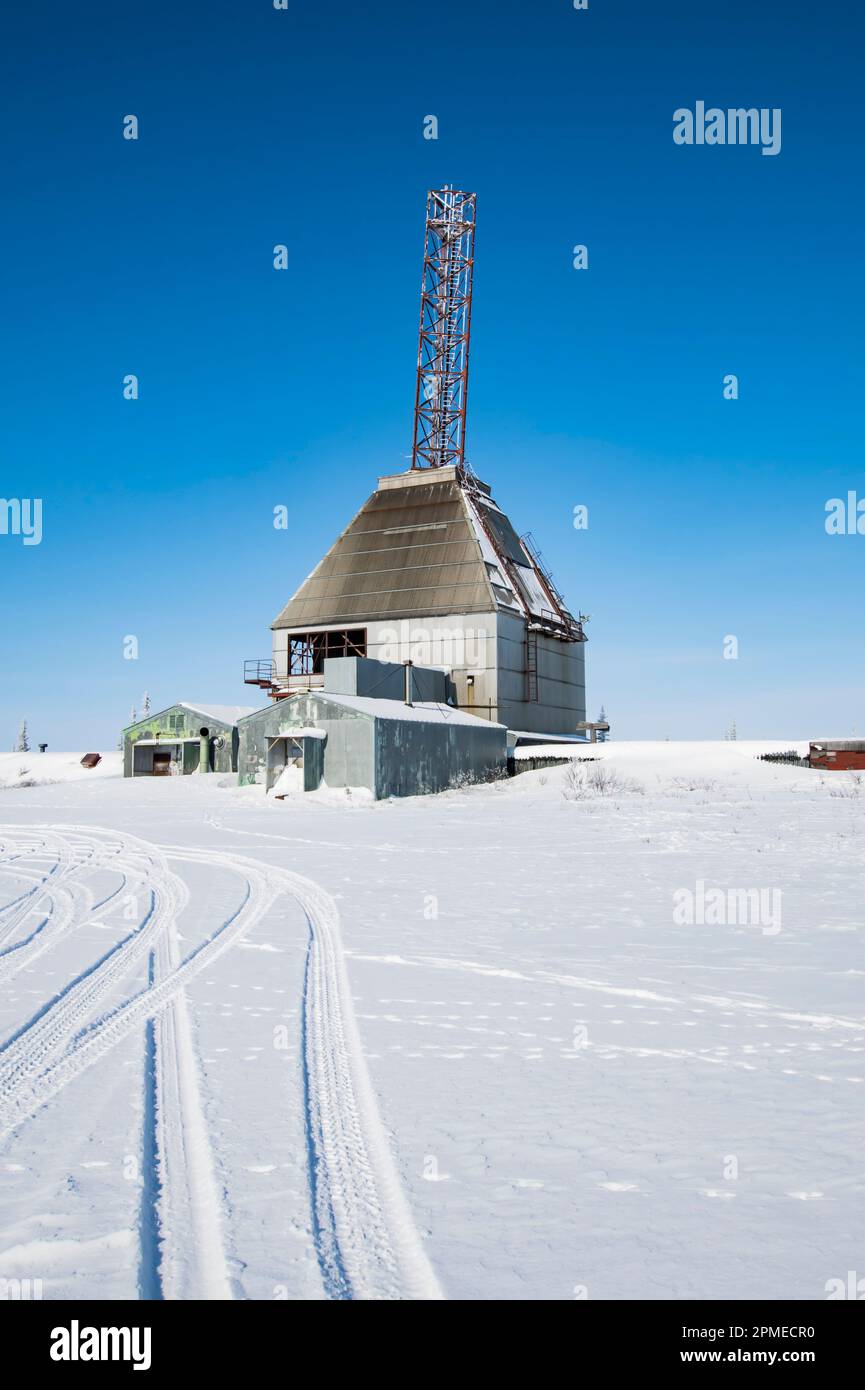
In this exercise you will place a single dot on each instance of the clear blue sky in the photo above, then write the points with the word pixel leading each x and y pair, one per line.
pixel 602 387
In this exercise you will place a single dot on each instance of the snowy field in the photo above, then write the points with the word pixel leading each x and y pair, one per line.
pixel 563 1036
pixel 19 770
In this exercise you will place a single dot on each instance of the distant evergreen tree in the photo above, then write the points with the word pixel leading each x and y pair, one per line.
pixel 23 744
pixel 133 717
pixel 602 719
pixel 145 704
pixel 732 733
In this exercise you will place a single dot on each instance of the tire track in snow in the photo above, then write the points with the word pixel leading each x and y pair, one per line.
pixel 61 900
pixel 53 1028
pixel 13 913
pixel 193 1263
pixel 367 1243
pixel 25 1089
pixel 366 1240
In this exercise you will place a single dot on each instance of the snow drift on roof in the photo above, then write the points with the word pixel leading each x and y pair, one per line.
pixel 426 713
pixel 226 714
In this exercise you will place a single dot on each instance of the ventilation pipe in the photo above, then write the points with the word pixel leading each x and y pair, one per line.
pixel 204 754
pixel 407 665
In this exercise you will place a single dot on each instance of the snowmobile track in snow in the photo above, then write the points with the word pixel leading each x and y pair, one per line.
pixel 366 1241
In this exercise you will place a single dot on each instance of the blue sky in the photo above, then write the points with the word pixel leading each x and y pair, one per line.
pixel 599 387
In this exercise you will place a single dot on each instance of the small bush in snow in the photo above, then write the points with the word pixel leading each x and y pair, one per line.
pixel 693 784
pixel 469 779
pixel 495 774
pixel 595 779
pixel 851 790
pixel 461 781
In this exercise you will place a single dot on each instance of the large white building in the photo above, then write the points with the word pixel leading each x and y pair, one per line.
pixel 431 570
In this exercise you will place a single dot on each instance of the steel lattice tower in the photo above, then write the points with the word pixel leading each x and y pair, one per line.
pixel 445 323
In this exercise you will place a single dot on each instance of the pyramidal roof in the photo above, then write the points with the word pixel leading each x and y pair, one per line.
pixel 427 543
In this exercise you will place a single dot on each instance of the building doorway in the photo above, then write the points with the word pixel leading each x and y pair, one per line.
pixel 284 766
pixel 295 762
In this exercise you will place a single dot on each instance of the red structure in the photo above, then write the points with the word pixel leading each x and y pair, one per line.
pixel 445 325
pixel 838 755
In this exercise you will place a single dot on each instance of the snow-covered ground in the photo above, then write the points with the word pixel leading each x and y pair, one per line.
pixel 29 769
pixel 541 1055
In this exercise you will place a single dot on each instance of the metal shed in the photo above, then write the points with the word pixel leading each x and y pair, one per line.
pixel 182 739
pixel 392 749
pixel 838 755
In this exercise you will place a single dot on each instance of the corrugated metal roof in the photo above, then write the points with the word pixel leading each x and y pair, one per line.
pixel 409 552
pixel 425 545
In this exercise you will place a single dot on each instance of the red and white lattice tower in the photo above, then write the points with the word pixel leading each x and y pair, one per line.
pixel 445 323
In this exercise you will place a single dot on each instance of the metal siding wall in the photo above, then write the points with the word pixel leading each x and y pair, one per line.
pixel 561 681
pixel 381 680
pixel 347 753
pixel 222 758
pixel 392 757
pixel 461 643
pixel 415 759
pixel 841 761
pixel 280 652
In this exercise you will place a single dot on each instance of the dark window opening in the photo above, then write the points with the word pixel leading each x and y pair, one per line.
pixel 307 650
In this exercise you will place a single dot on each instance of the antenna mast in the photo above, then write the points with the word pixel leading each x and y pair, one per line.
pixel 445 324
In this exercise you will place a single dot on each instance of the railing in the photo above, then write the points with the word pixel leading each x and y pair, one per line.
pixel 574 624
pixel 530 544
pixel 258 672
pixel 263 672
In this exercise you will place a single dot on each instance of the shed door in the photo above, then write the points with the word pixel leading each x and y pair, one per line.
pixel 285 766
pixel 161 762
